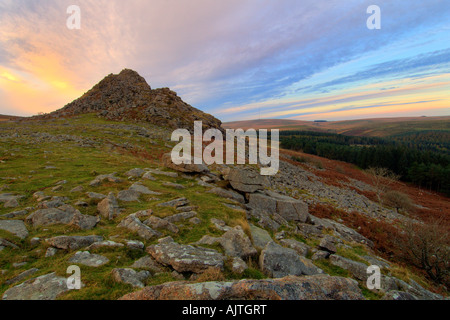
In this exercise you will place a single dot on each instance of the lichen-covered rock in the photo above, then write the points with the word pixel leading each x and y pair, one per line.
pixel 46 287
pixel 108 207
pixel 277 262
pixel 158 223
pixel 327 244
pixel 246 179
pixel 288 208
pixel 133 224
pixel 73 242
pixel 88 259
pixel 16 227
pixel 317 287
pixel 357 269
pixel 183 167
pixel 229 194
pixel 130 276
pixel 237 244
pixel 65 214
pixel 260 237
pixel 301 248
pixel 147 263
pixel 185 258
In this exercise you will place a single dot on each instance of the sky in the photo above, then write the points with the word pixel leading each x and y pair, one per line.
pixel 235 59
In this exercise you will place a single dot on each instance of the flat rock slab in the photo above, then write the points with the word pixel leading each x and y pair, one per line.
pixel 133 224
pixel 88 259
pixel 46 287
pixel 21 276
pixel 147 263
pixel 317 287
pixel 246 180
pixel 228 194
pixel 277 262
pixel 180 202
pixel 65 214
pixel 288 208
pixel 73 242
pixel 16 227
pixel 185 258
pixel 130 276
pixel 186 168
pixel 143 189
pixel 260 237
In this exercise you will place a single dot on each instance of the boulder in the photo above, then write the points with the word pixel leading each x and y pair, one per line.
pixel 62 215
pixel 158 223
pixel 186 168
pixel 95 195
pixel 46 287
pixel 105 244
pixel 357 269
pixel 129 276
pixel 136 172
pixel 128 195
pixel 300 247
pixel 260 237
pixel 228 194
pixel 108 207
pixel 237 244
pixel 288 208
pixel 185 258
pixel 105 177
pixel 88 259
pixel 143 189
pixel 317 287
pixel 162 173
pixel 277 262
pixel 16 227
pixel 15 214
pixel 73 242
pixel 180 216
pixel 6 244
pixel 246 180
pixel 180 202
pixel 21 276
pixel 133 224
pixel 327 244
pixel 238 265
pixel 147 263
pixel 173 185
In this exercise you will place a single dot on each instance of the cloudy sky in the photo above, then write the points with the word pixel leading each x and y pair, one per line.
pixel 235 59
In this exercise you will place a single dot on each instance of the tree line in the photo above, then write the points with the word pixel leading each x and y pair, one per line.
pixel 422 158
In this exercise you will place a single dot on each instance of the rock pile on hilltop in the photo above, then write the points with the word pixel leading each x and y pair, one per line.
pixel 127 96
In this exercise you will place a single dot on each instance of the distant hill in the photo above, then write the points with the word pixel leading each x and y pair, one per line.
pixel 381 127
pixel 9 118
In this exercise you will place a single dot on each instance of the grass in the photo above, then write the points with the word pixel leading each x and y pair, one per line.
pixel 23 164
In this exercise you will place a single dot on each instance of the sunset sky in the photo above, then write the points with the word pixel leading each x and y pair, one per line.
pixel 235 59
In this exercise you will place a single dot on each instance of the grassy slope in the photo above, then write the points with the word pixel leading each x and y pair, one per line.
pixel 22 172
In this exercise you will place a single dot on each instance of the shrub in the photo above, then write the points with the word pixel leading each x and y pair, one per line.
pixel 398 200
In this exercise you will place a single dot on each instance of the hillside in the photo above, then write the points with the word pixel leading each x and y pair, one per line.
pixel 91 186
pixel 127 96
pixel 9 118
pixel 381 127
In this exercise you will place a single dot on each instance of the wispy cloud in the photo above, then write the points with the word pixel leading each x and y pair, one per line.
pixel 235 59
